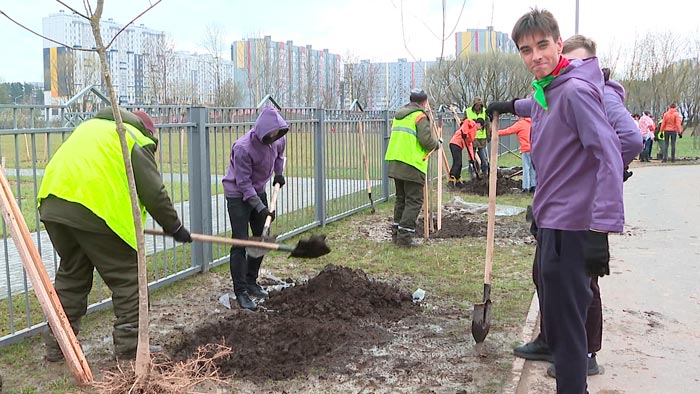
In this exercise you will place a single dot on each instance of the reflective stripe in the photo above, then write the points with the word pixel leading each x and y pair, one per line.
pixel 404 129
pixel 406 229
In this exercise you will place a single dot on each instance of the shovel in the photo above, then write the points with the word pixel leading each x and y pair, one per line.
pixel 360 129
pixel 481 318
pixel 310 248
pixel 265 237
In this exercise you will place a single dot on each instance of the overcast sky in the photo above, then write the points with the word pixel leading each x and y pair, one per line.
pixel 367 29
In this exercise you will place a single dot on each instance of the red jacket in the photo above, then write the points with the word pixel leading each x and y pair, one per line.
pixel 671 121
pixel 465 135
pixel 522 129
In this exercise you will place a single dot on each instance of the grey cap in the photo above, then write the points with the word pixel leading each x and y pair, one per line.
pixel 418 96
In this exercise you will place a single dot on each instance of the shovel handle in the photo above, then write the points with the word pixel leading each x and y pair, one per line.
pixel 490 229
pixel 273 206
pixel 228 241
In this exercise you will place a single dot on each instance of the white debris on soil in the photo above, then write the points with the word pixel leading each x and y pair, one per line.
pixel 474 208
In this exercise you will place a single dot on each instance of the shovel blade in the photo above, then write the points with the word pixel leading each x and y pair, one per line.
pixel 481 320
pixel 254 252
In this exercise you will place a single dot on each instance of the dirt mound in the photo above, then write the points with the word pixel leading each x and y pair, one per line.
pixel 481 186
pixel 459 224
pixel 320 324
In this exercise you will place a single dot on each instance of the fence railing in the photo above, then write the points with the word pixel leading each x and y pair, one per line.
pixel 324 171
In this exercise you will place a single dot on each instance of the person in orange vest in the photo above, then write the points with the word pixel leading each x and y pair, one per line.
pixel 462 138
pixel 522 128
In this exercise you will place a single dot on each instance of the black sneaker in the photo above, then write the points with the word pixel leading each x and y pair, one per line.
pixel 245 302
pixel 256 290
pixel 536 350
pixel 593 368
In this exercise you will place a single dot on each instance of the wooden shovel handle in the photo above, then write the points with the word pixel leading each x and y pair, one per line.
pixel 493 174
pixel 273 207
pixel 228 241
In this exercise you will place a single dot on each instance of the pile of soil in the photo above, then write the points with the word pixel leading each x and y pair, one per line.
pixel 320 324
pixel 481 186
pixel 458 224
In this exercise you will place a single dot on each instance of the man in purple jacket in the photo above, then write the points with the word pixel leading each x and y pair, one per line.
pixel 254 158
pixel 578 199
pixel 581 47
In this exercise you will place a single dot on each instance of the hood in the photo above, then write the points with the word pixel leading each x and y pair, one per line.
pixel 407 110
pixel 128 117
pixel 268 121
pixel 616 88
pixel 586 70
pixel 672 110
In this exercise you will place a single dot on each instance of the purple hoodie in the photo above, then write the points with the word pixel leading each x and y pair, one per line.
pixel 621 120
pixel 253 162
pixel 576 154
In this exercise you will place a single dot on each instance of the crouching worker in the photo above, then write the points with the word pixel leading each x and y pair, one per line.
pixel 411 140
pixel 85 206
pixel 462 139
pixel 254 158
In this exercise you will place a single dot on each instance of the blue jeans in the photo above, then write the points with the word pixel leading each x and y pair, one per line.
pixel 529 176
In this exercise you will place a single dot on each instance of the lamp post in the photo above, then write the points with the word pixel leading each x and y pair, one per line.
pixel 576 28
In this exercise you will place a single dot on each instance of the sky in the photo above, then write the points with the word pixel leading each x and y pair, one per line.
pixel 378 30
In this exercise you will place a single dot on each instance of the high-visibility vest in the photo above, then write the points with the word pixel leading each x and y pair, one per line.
pixel 481 133
pixel 88 169
pixel 404 145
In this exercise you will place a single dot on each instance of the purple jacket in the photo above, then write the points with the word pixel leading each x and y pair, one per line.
pixel 621 121
pixel 576 154
pixel 253 162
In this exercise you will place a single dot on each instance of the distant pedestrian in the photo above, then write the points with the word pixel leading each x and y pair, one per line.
pixel 569 123
pixel 671 127
pixel 646 128
pixel 410 142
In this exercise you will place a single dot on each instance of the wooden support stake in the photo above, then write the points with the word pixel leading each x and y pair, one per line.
pixel 439 191
pixel 42 285
pixel 426 210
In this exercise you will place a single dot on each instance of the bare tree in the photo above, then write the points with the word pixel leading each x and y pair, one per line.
pixel 159 59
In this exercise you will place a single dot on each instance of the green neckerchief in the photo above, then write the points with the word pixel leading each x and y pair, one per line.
pixel 540 85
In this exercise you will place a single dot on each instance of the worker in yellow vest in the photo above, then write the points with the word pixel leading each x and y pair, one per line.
pixel 85 206
pixel 483 135
pixel 411 140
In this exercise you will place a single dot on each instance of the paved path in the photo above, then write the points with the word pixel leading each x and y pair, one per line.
pixel 651 302
pixel 298 193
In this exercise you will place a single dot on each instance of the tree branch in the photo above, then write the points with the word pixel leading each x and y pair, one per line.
pixel 42 36
pixel 72 9
pixel 131 22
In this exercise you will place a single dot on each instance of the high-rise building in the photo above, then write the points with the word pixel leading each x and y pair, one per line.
pixel 144 68
pixel 482 41
pixel 293 75
pixel 380 86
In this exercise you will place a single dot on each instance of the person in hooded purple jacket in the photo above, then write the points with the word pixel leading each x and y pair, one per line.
pixel 578 200
pixel 581 47
pixel 254 158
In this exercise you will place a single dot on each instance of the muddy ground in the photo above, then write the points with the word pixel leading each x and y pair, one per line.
pixel 505 183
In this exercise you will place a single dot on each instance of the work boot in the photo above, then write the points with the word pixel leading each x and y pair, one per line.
pixel 53 350
pixel 255 290
pixel 532 190
pixel 245 302
pixel 452 183
pixel 536 350
pixel 593 368
pixel 404 238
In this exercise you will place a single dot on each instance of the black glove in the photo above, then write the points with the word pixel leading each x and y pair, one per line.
pixel 680 135
pixel 502 107
pixel 530 218
pixel 471 162
pixel 626 174
pixel 266 212
pixel 279 179
pixel 182 235
pixel 596 253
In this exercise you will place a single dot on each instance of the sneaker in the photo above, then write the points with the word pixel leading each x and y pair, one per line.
pixel 245 302
pixel 255 290
pixel 593 368
pixel 536 350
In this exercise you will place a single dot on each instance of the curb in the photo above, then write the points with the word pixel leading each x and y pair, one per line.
pixel 516 383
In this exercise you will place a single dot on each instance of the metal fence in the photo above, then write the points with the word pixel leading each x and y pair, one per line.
pixel 324 171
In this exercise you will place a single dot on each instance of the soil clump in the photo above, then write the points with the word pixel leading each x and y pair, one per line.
pixel 504 185
pixel 320 324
